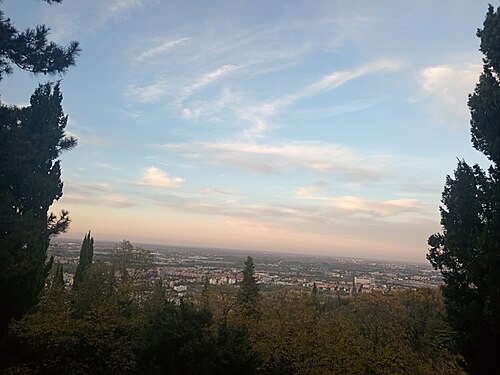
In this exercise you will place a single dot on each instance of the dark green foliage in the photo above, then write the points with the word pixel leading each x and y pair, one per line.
pixel 85 260
pixel 181 340
pixel 467 254
pixel 178 340
pixel 58 339
pixel 32 139
pixel 234 352
pixel 31 51
pixel 58 276
pixel 484 102
pixel 91 329
pixel 124 277
pixel 98 286
pixel 468 251
pixel 490 39
pixel 249 290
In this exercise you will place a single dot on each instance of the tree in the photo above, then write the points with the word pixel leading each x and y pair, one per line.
pixel 249 290
pixel 468 251
pixel 85 260
pixel 178 340
pixel 30 50
pixel 234 352
pixel 32 139
pixel 132 264
pixel 58 276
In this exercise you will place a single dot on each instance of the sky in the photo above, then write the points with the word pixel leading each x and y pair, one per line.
pixel 315 127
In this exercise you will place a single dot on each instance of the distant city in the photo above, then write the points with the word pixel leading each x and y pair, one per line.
pixel 186 269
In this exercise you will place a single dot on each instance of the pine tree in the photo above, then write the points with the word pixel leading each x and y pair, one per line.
pixel 30 50
pixel 249 290
pixel 31 138
pixel 468 251
pixel 85 260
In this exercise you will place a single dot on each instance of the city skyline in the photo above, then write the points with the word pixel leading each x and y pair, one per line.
pixel 323 129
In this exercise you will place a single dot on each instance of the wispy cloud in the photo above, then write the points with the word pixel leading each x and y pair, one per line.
pixel 222 106
pixel 259 115
pixel 208 78
pixel 73 19
pixel 148 93
pixel 307 209
pixel 307 191
pixel 161 49
pixel 210 108
pixel 283 157
pixel 116 9
pixel 354 106
pixel 359 205
pixel 330 82
pixel 95 195
pixel 114 200
pixel 155 177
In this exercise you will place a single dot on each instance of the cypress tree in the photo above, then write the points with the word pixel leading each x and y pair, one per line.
pixel 314 293
pixel 85 260
pixel 249 290
pixel 58 276
pixel 468 251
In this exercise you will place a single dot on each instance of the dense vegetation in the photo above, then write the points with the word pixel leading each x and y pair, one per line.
pixel 117 321
pixel 468 251
pixel 31 141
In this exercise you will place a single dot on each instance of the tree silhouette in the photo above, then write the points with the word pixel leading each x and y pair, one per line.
pixel 31 140
pixel 85 260
pixel 249 290
pixel 468 251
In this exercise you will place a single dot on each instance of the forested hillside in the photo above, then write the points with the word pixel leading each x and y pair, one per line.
pixel 114 320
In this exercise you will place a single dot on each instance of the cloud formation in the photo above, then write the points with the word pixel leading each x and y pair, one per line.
pixel 352 205
pixel 73 19
pixel 155 177
pixel 161 48
pixel 148 93
pixel 259 115
pixel 446 88
pixel 283 157
pixel 209 78
pixel 102 194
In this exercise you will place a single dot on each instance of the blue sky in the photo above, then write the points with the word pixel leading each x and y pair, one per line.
pixel 321 127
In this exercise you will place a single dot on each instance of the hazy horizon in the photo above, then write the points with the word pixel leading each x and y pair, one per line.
pixel 244 251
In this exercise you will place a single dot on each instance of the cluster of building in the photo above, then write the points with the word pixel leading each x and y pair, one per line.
pixel 186 270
